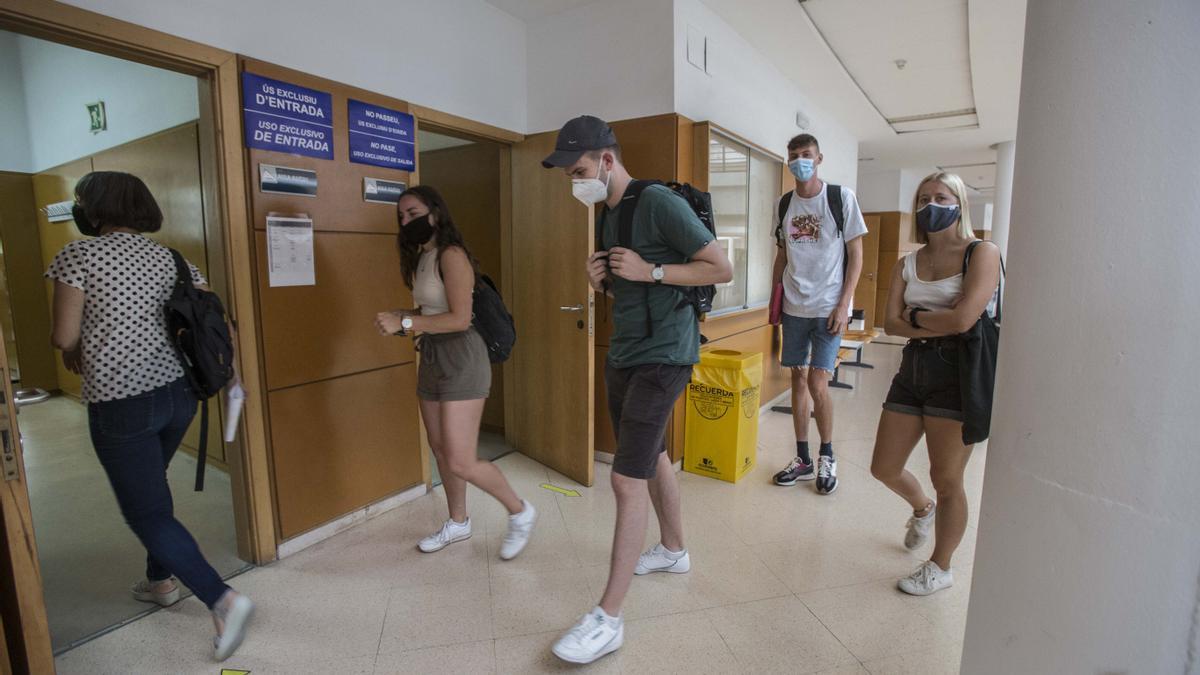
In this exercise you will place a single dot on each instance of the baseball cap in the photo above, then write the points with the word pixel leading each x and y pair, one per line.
pixel 580 135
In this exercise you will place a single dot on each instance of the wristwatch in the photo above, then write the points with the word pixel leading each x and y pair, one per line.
pixel 912 316
pixel 657 274
pixel 406 324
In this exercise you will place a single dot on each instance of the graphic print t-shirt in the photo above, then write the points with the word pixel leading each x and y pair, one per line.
pixel 812 281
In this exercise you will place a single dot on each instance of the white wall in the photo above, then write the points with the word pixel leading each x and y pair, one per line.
pixel 1088 553
pixel 463 57
pixel 611 59
pixel 889 190
pixel 745 93
pixel 15 154
pixel 879 190
pixel 60 81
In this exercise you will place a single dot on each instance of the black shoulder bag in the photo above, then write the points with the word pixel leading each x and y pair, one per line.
pixel 977 366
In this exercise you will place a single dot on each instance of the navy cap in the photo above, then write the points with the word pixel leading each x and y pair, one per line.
pixel 578 136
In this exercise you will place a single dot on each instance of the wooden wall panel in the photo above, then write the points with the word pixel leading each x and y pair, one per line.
pixel 648 146
pixel 468 178
pixel 328 330
pixel 343 443
pixel 49 187
pixel 339 205
pixel 23 268
pixel 342 397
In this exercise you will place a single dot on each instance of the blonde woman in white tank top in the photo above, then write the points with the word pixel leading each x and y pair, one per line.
pixel 454 377
pixel 932 302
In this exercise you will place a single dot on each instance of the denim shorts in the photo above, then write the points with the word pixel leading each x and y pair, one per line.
pixel 927 384
pixel 798 333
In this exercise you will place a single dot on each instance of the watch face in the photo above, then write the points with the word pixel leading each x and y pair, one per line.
pixel 657 273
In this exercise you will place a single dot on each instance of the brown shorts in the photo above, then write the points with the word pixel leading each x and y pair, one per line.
pixel 454 367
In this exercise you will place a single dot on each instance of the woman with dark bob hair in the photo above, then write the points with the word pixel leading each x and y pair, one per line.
pixel 109 292
pixel 455 375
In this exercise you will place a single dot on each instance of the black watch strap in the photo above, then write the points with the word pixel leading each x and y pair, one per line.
pixel 912 317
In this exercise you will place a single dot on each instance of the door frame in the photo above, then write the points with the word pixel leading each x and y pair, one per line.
pixel 221 126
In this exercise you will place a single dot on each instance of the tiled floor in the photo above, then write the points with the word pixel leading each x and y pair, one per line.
pixel 88 555
pixel 782 580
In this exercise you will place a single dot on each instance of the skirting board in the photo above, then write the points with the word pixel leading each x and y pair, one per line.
pixel 313 537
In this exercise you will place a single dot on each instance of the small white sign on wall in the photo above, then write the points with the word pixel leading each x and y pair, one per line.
pixel 290 250
pixel 696 48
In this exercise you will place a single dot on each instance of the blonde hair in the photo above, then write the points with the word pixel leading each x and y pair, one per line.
pixel 959 189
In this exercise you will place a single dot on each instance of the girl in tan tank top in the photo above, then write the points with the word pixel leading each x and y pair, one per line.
pixel 454 375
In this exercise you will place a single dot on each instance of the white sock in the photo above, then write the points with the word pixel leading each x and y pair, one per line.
pixel 605 615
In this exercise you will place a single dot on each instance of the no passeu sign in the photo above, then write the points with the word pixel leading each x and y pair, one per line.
pixel 284 117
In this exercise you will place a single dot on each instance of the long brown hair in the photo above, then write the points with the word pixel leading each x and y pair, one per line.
pixel 446 232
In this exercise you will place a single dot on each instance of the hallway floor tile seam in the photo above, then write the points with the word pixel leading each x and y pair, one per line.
pixel 892 653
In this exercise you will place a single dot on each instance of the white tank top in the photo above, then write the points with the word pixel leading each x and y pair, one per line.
pixel 940 294
pixel 429 291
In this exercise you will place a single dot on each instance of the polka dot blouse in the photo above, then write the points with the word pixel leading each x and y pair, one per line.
pixel 125 278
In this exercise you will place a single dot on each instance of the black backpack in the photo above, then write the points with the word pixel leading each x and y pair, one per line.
pixel 492 321
pixel 699 297
pixel 833 197
pixel 197 328
pixel 490 317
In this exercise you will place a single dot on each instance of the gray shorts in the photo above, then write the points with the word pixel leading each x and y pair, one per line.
pixel 454 367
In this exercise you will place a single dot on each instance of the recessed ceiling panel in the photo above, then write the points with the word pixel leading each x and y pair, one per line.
pixel 911 59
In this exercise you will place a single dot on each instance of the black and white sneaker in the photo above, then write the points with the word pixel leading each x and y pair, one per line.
pixel 826 475
pixel 796 471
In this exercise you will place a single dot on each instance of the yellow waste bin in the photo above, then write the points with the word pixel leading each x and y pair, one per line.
pixel 721 434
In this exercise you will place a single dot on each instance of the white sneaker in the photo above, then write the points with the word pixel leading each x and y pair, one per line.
pixel 918 529
pixel 236 616
pixel 451 532
pixel 520 526
pixel 927 580
pixel 659 559
pixel 595 635
pixel 143 591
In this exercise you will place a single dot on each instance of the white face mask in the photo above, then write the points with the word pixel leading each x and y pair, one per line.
pixel 591 190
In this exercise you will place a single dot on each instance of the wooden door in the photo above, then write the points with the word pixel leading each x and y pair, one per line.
pixel 865 292
pixel 26 640
pixel 554 310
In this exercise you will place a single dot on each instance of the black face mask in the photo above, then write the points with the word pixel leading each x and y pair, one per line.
pixel 85 226
pixel 936 217
pixel 417 231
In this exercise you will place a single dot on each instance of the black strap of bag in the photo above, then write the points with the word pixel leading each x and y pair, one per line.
pixel 833 197
pixel 183 284
pixel 999 286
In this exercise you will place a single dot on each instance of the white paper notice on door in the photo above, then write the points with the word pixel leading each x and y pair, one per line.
pixel 290 250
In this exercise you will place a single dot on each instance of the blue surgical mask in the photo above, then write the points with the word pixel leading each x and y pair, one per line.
pixel 803 168
pixel 936 217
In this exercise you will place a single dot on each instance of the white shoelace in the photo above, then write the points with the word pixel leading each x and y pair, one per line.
pixel 924 575
pixel 825 469
pixel 796 464
pixel 586 625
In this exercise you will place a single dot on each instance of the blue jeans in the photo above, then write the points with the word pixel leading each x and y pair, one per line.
pixel 135 439
pixel 798 333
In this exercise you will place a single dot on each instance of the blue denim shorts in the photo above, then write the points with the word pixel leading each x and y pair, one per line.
pixel 798 333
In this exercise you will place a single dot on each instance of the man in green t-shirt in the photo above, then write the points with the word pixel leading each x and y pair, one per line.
pixel 655 343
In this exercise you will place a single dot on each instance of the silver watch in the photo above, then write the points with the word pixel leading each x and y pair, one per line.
pixel 657 274
pixel 406 323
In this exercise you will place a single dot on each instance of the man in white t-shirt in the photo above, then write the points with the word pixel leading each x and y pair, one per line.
pixel 819 260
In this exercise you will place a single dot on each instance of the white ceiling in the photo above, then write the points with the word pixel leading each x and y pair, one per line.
pixel 960 54
pixel 869 35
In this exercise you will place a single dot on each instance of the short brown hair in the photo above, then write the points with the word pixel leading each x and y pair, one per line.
pixel 119 200
pixel 803 141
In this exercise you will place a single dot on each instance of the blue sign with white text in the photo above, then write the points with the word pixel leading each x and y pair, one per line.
pixel 381 137
pixel 286 117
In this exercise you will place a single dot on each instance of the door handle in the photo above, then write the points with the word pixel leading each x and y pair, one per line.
pixel 8 444
pixel 571 308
